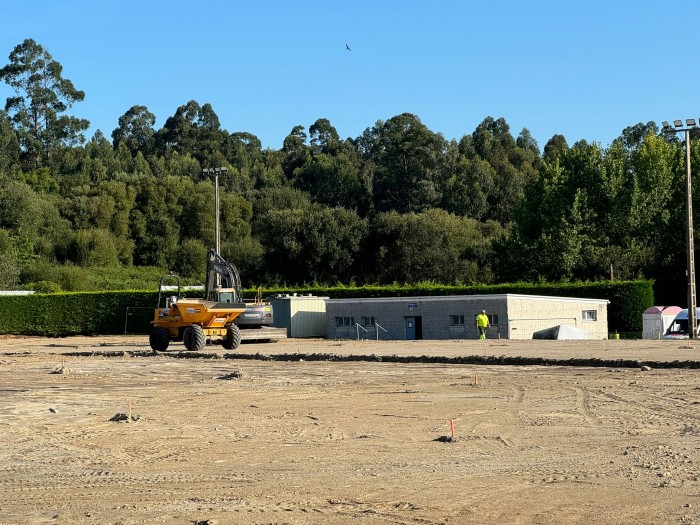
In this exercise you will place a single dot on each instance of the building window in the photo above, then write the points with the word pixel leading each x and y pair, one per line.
pixel 493 318
pixel 344 321
pixel 589 315
pixel 367 321
pixel 456 320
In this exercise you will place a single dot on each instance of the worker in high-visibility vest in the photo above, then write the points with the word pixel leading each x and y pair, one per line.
pixel 482 323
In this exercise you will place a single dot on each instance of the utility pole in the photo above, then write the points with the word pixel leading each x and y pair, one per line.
pixel 692 298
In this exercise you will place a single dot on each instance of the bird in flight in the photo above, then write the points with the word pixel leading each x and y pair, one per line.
pixel 347 47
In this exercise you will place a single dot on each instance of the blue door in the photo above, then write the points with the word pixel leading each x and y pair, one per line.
pixel 410 328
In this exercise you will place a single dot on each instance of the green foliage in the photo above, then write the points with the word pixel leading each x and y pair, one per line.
pixel 66 276
pixel 45 287
pixel 433 245
pixel 410 169
pixel 44 95
pixel 40 180
pixel 71 278
pixel 318 243
pixel 9 146
pixel 9 271
pixel 135 130
pixel 70 313
pixel 194 130
pixel 191 258
pixel 95 247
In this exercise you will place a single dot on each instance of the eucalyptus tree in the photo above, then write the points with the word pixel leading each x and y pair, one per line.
pixel 295 151
pixel 633 136
pixel 334 180
pixel 136 130
pixel 514 162
pixel 331 172
pixel 194 130
pixel 555 148
pixel 9 146
pixel 468 188
pixel 409 165
pixel 323 137
pixel 42 96
pixel 243 153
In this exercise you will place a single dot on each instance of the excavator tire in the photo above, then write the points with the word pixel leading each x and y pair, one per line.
pixel 233 338
pixel 193 338
pixel 159 339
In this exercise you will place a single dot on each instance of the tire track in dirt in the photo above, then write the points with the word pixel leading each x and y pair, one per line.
pixel 583 405
pixel 662 413
pixel 390 512
pixel 519 394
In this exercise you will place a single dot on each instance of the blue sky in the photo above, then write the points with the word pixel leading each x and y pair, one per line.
pixel 585 70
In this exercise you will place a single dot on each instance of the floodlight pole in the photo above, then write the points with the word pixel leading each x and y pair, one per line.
pixel 217 229
pixel 692 298
pixel 692 313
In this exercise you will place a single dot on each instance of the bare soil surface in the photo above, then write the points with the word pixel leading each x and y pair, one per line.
pixel 101 430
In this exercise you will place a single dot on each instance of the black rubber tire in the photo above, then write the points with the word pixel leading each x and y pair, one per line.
pixel 233 337
pixel 159 339
pixel 193 338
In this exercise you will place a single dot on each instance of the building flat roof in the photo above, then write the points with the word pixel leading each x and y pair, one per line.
pixel 481 297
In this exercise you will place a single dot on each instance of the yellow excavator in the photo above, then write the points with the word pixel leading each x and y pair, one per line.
pixel 196 321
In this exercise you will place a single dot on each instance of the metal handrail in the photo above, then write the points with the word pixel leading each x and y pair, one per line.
pixel 358 330
pixel 377 326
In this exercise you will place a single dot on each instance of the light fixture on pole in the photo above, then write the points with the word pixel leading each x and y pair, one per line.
pixel 692 299
pixel 215 172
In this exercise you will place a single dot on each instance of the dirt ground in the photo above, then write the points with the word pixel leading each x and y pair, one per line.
pixel 99 430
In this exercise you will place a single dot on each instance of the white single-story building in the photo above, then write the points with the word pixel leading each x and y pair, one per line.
pixel 512 316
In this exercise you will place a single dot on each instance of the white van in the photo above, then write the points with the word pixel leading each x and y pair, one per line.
pixel 679 326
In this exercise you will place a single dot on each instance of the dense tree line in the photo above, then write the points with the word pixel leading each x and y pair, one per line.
pixel 400 203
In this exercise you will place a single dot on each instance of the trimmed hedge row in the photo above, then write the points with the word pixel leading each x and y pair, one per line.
pixel 93 313
pixel 62 314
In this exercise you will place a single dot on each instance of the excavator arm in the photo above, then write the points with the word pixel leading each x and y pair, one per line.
pixel 221 274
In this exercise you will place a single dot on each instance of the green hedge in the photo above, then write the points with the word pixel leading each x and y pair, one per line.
pixel 63 314
pixel 106 312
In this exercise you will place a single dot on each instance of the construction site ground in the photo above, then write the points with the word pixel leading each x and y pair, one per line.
pixel 102 430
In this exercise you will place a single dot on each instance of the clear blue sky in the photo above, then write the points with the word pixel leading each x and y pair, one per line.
pixel 585 70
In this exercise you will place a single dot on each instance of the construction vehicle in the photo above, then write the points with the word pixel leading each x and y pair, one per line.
pixel 257 322
pixel 196 321
pixel 258 313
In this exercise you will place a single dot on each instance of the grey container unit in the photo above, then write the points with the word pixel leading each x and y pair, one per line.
pixel 301 315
